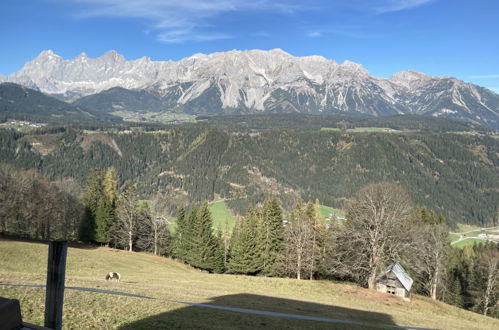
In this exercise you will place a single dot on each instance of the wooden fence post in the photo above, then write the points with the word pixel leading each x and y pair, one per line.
pixel 54 294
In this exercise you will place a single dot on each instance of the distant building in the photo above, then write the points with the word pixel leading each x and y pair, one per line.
pixel 395 280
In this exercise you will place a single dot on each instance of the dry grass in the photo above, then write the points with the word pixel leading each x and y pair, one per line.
pixel 24 262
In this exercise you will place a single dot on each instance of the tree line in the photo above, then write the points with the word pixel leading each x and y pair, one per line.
pixel 33 207
pixel 382 226
pixel 115 216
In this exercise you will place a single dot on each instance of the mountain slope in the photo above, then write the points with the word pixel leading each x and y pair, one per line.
pixel 256 81
pixel 17 102
pixel 118 98
pixel 456 174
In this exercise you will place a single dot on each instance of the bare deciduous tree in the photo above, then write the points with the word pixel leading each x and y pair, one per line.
pixel 489 266
pixel 300 244
pixel 153 234
pixel 429 252
pixel 33 207
pixel 374 234
pixel 126 217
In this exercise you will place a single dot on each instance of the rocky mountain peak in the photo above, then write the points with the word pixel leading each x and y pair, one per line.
pixel 114 56
pixel 259 80
pixel 409 78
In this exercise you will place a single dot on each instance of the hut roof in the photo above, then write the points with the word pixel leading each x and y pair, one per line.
pixel 401 274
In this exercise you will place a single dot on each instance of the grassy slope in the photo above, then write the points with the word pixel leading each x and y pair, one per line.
pixel 468 241
pixel 470 234
pixel 326 211
pixel 22 262
pixel 221 214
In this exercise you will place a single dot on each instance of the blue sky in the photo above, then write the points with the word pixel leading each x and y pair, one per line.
pixel 439 37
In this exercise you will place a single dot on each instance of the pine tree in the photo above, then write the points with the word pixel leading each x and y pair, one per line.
pixel 205 249
pixel 92 194
pixel 110 185
pixel 104 216
pixel 189 232
pixel 180 232
pixel 244 251
pixel 219 263
pixel 99 198
pixel 271 233
pixel 456 294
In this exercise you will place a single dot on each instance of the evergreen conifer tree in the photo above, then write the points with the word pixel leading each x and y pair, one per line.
pixel 104 216
pixel 178 243
pixel 189 233
pixel 205 249
pixel 271 235
pixel 244 251
pixel 457 294
pixel 92 194
pixel 100 199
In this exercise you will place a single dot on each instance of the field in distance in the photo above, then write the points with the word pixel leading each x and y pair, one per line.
pixel 223 216
pixel 144 274
pixel 468 235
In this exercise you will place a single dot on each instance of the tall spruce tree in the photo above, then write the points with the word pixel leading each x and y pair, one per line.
pixel 205 250
pixel 110 185
pixel 189 233
pixel 104 217
pixel 92 195
pixel 244 252
pixel 180 232
pixel 271 236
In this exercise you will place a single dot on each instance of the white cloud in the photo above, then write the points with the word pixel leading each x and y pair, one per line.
pixel 174 21
pixel 180 20
pixel 179 36
pixel 388 6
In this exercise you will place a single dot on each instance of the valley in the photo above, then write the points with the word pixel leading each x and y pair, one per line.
pixel 453 173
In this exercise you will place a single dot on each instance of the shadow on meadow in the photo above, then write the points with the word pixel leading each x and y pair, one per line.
pixel 196 317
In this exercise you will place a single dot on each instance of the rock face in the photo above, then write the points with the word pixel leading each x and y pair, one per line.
pixel 254 81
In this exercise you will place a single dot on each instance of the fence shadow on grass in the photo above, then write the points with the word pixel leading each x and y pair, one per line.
pixel 199 317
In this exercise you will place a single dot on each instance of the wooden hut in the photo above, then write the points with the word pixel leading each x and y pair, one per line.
pixel 395 280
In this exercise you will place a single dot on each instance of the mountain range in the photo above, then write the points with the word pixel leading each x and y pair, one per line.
pixel 252 81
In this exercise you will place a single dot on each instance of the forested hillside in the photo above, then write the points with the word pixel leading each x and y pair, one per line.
pixel 344 122
pixel 456 174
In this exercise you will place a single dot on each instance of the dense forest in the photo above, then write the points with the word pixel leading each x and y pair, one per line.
pixel 453 173
pixel 346 121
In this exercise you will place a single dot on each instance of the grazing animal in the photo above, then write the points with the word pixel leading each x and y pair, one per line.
pixel 113 276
